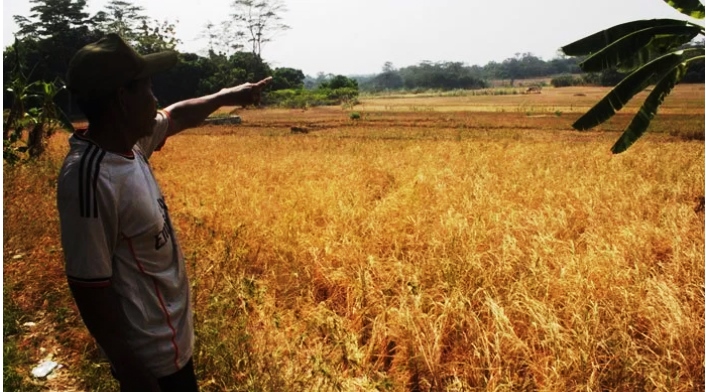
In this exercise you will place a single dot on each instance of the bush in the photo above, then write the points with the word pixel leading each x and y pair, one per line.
pixel 566 81
pixel 340 95
pixel 302 98
pixel 340 82
pixel 611 77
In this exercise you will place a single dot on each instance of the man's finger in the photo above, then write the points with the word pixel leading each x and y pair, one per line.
pixel 264 81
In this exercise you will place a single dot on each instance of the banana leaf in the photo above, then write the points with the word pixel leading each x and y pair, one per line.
pixel 631 85
pixel 642 119
pixel 597 41
pixel 659 46
pixel 693 8
pixel 638 48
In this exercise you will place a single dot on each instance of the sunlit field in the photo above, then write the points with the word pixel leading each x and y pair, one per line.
pixel 438 243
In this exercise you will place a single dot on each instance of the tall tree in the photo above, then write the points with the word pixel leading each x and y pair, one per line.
pixel 223 39
pixel 388 79
pixel 257 22
pixel 123 18
pixel 287 78
pixel 52 17
pixel 153 36
pixel 49 36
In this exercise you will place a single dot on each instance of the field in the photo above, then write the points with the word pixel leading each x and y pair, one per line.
pixel 444 242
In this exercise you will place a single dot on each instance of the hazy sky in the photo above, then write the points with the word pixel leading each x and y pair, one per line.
pixel 358 37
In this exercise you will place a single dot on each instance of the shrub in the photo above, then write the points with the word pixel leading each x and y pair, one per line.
pixel 566 81
pixel 302 98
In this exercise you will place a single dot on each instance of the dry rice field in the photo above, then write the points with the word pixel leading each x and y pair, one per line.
pixel 448 243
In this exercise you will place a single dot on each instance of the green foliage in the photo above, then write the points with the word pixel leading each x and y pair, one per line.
pixel 153 37
pixel 445 76
pixel 303 98
pixel 692 8
pixel 695 73
pixel 389 79
pixel 340 95
pixel 642 119
pixel 458 76
pixel 122 18
pixel 630 86
pixel 255 68
pixel 355 116
pixel 521 66
pixel 340 82
pixel 637 48
pixel 597 41
pixel 52 17
pixel 567 80
pixel 47 39
pixel 13 149
pixel 335 90
pixel 652 50
pixel 287 78
pixel 194 75
pixel 33 107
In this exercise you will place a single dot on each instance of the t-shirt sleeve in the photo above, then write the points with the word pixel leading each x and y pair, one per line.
pixel 156 140
pixel 89 221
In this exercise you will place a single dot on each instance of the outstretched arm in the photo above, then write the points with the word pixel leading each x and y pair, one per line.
pixel 192 112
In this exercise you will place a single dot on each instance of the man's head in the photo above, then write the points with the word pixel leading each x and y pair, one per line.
pixel 112 82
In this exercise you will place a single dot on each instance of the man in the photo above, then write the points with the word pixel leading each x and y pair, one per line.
pixel 123 262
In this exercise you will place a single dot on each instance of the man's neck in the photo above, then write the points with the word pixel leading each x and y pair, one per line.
pixel 110 138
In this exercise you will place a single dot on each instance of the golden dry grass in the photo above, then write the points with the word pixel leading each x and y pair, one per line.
pixel 417 250
pixel 685 99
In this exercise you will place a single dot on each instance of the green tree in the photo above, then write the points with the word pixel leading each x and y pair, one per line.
pixel 51 17
pixel 33 106
pixel 339 81
pixel 388 79
pixel 48 38
pixel 650 52
pixel 154 36
pixel 442 75
pixel 46 116
pixel 311 83
pixel 123 18
pixel 253 65
pixel 190 77
pixel 221 73
pixel 287 78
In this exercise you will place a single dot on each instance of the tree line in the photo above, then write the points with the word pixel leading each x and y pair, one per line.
pixel 457 75
pixel 56 29
pixel 564 71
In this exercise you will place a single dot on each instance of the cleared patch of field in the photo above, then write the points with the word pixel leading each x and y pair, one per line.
pixel 415 250
pixel 686 99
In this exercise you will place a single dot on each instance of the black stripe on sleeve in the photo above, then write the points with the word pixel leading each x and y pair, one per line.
pixel 97 282
pixel 95 184
pixel 81 202
pixel 89 171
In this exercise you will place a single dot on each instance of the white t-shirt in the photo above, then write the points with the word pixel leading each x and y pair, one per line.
pixel 115 229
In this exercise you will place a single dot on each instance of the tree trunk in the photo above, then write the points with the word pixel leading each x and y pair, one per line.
pixel 35 142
